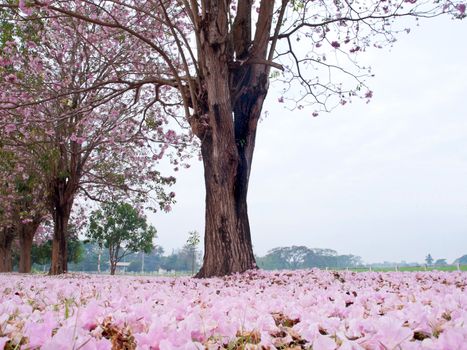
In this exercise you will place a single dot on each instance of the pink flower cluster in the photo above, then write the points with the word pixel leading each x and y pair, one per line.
pixel 257 310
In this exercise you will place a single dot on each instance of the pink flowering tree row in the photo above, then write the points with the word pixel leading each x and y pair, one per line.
pixel 83 136
pixel 22 208
pixel 211 63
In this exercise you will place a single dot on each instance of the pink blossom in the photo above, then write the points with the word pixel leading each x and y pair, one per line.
pixel 324 343
pixel 392 333
pixel 452 339
pixel 9 128
pixel 80 140
pixel 38 333
pixel 24 8
pixel 335 44
pixel 357 311
pixel 3 341
pixel 11 78
pixel 461 8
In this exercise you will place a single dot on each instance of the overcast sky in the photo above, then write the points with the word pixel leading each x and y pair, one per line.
pixel 386 181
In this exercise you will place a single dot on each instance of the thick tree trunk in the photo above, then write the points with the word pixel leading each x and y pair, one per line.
pixel 228 247
pixel 6 263
pixel 26 237
pixel 59 263
pixel 227 152
pixel 227 242
pixel 6 240
pixel 235 94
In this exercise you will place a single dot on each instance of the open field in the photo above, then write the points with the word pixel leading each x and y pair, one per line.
pixel 410 268
pixel 451 268
pixel 309 309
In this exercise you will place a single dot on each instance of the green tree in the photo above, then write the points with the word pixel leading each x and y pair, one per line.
pixel 429 260
pixel 91 258
pixel 192 246
pixel 122 230
pixel 301 257
pixel 462 260
pixel 152 261
pixel 441 262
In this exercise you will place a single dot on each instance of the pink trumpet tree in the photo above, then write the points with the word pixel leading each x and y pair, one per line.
pixel 216 58
pixel 62 106
pixel 22 209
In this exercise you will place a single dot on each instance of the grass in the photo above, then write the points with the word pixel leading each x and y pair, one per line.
pixel 408 268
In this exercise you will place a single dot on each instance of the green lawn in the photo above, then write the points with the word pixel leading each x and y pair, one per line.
pixel 411 268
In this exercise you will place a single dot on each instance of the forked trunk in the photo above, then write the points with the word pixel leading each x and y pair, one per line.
pixel 59 263
pixel 228 247
pixel 227 153
pixel 235 86
pixel 26 237
pixel 6 240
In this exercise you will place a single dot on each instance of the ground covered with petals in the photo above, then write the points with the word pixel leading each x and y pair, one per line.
pixel 320 310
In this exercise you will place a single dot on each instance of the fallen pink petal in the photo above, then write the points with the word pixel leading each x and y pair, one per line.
pixel 272 310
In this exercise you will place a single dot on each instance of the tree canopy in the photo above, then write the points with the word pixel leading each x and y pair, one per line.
pixel 122 230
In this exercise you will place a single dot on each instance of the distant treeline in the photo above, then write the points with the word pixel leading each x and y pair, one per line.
pixel 301 257
pixel 89 257
pixel 86 256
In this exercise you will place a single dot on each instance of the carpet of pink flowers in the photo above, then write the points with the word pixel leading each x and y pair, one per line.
pixel 311 309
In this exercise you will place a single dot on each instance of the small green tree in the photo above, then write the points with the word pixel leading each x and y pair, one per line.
pixel 192 245
pixel 429 260
pixel 122 230
pixel 441 262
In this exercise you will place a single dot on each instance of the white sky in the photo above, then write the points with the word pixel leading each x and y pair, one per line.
pixel 386 181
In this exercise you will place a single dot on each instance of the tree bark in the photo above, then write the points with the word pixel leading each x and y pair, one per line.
pixel 228 247
pixel 235 95
pixel 26 237
pixel 113 257
pixel 6 241
pixel 113 266
pixel 59 262
pixel 63 188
